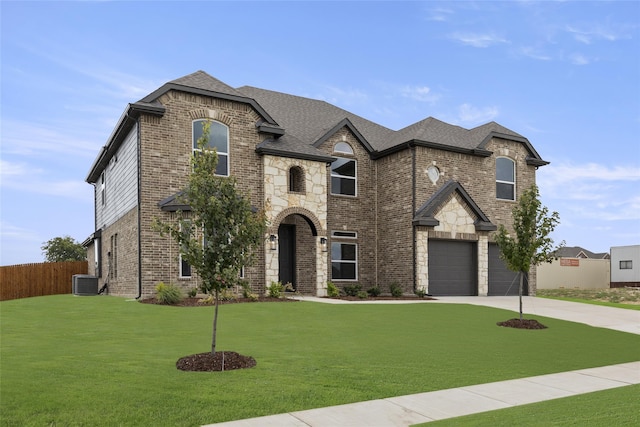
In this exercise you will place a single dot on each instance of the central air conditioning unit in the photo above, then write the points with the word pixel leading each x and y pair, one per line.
pixel 84 284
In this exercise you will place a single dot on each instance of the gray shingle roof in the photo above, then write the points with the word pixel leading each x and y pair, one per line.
pixel 297 124
pixel 309 120
pixel 202 80
pixel 579 252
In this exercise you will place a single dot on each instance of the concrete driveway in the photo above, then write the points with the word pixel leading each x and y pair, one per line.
pixel 590 314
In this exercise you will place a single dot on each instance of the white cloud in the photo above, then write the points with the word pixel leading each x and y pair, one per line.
pixel 27 178
pixel 116 84
pixel 40 138
pixel 596 32
pixel 419 93
pixel 13 232
pixel 578 59
pixel 439 14
pixel 533 53
pixel 344 97
pixel 469 115
pixel 592 191
pixel 477 39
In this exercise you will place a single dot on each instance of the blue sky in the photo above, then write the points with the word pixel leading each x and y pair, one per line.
pixel 564 74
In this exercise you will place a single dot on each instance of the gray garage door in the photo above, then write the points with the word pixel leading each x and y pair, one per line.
pixel 452 268
pixel 502 281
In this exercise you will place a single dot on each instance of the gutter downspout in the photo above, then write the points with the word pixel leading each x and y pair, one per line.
pixel 139 191
pixel 413 212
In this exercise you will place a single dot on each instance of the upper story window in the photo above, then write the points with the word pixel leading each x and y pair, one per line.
pixel 343 147
pixel 296 180
pixel 103 195
pixel 343 177
pixel 505 179
pixel 218 139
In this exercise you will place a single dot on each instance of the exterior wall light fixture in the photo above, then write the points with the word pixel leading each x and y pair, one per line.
pixel 273 242
pixel 323 244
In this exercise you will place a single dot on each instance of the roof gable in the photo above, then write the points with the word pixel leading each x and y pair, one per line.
pixel 426 215
pixel 201 83
pixel 345 123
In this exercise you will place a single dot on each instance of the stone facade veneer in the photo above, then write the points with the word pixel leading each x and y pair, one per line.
pixel 280 203
pixel 455 218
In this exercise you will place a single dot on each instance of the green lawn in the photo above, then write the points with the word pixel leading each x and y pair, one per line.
pixel 615 407
pixel 69 360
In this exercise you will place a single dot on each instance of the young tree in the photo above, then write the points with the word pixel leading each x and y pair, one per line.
pixel 64 248
pixel 223 230
pixel 531 245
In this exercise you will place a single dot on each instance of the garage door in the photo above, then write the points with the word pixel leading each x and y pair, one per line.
pixel 452 268
pixel 502 281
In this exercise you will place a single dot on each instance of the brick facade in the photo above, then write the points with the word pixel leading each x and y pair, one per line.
pixel 391 187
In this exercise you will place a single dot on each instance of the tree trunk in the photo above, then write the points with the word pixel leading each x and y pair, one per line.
pixel 215 325
pixel 520 292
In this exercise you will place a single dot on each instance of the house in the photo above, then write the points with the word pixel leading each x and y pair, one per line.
pixel 347 200
pixel 578 252
pixel 625 266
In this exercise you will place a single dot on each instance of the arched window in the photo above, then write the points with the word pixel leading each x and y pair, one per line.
pixel 344 180
pixel 505 179
pixel 218 139
pixel 343 147
pixel 296 180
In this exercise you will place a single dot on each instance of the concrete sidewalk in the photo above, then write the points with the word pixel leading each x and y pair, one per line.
pixel 441 404
pixel 404 411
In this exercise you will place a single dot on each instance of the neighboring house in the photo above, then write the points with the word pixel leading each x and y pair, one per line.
pixel 625 266
pixel 347 200
pixel 578 252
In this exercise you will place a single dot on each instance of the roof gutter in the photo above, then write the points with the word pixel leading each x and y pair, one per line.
pixel 128 119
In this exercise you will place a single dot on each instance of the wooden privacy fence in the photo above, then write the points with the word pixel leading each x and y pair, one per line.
pixel 32 280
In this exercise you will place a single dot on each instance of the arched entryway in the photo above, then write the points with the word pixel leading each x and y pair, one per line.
pixel 299 255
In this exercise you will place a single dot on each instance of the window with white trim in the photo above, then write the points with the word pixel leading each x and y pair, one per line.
pixel 218 139
pixel 505 179
pixel 344 256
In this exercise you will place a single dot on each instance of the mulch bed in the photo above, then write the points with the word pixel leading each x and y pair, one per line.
pixel 196 302
pixel 221 361
pixel 383 298
pixel 522 324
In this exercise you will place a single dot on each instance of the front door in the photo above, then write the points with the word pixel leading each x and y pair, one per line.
pixel 287 254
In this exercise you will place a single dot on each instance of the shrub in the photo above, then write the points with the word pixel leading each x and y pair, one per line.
pixel 246 289
pixel 375 291
pixel 193 292
pixel 168 293
pixel 226 294
pixel 395 289
pixel 352 290
pixel 332 290
pixel 362 294
pixel 275 290
pixel 421 293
